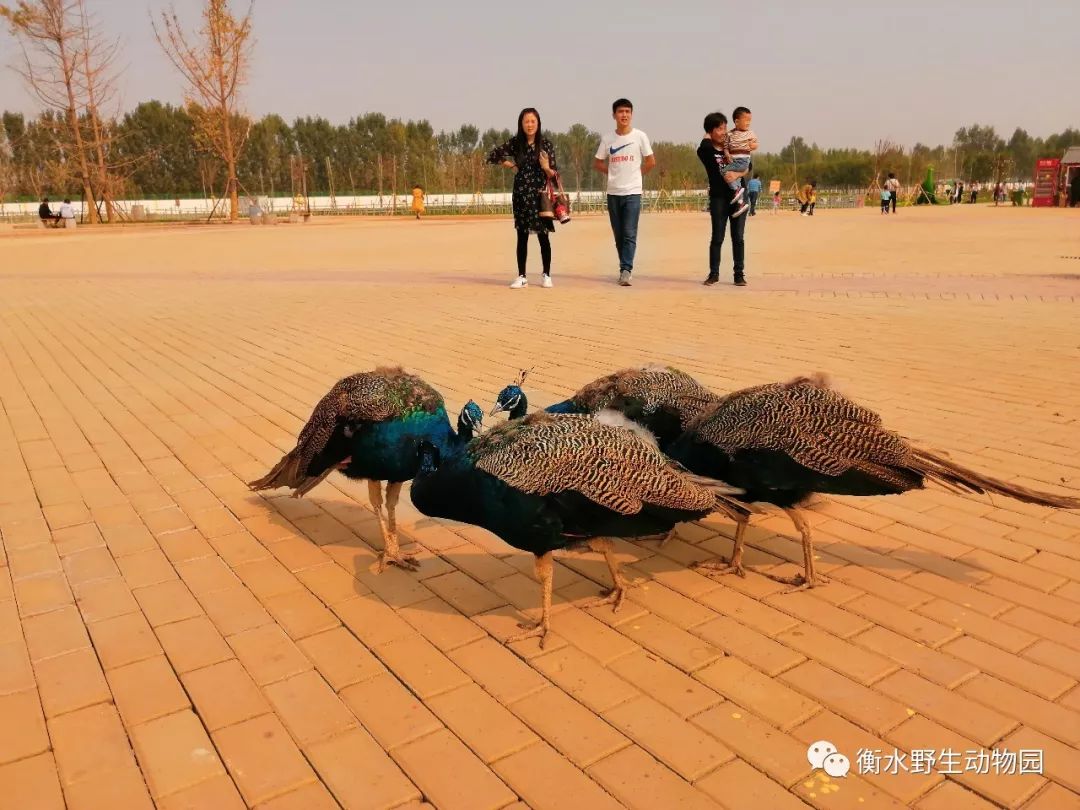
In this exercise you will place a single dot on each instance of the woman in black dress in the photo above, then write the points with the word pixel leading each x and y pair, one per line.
pixel 532 157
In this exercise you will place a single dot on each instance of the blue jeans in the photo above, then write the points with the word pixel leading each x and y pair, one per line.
pixel 624 210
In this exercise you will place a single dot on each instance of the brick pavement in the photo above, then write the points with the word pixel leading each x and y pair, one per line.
pixel 170 640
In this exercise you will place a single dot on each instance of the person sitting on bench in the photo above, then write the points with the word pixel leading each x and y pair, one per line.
pixel 46 214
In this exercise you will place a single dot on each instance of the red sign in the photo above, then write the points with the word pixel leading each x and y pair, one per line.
pixel 1046 182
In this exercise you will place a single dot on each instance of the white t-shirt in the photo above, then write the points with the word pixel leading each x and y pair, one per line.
pixel 67 211
pixel 624 155
pixel 892 184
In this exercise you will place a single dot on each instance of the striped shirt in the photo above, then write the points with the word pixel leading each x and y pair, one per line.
pixel 739 141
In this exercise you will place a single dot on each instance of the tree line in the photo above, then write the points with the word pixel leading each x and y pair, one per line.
pixel 206 147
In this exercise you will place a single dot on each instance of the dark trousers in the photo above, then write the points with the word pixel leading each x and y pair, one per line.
pixel 523 251
pixel 884 206
pixel 807 207
pixel 892 199
pixel 720 213
pixel 624 211
pixel 753 195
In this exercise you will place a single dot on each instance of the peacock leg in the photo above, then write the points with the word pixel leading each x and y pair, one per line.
pixel 545 572
pixel 391 554
pixel 735 566
pixel 617 594
pixel 809 578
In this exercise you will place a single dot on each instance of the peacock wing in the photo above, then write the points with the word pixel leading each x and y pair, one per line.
pixel 544 455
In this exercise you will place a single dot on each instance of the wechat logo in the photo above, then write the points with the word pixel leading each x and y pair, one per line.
pixel 823 755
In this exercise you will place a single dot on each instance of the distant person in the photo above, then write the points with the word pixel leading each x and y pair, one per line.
pixel 1074 190
pixel 959 193
pixel 974 194
pixel 46 215
pixel 417 200
pixel 722 204
pixel 625 156
pixel 892 185
pixel 886 198
pixel 776 201
pixel 999 194
pixel 753 191
pixel 808 198
pixel 532 157
pixel 67 213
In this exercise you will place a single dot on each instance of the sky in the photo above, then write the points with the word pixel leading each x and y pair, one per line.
pixel 841 74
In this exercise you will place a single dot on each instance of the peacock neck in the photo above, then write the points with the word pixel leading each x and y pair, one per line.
pixel 522 408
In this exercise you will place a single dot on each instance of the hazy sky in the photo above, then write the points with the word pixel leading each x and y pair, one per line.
pixel 839 73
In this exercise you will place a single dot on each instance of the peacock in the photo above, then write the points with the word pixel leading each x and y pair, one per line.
pixel 544 482
pixel 369 426
pixel 784 442
pixel 660 398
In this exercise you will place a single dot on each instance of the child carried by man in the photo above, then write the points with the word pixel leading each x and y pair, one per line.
pixel 741 144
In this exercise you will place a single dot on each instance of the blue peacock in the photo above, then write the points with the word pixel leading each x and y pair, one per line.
pixel 544 483
pixel 781 444
pixel 369 426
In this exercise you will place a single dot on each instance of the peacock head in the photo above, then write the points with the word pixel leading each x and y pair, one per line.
pixel 510 399
pixel 471 418
pixel 429 457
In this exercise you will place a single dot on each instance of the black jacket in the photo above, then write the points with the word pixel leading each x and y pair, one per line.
pixel 712 158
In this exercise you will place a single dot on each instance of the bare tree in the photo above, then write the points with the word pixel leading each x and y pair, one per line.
pixel 49 32
pixel 98 85
pixel 214 63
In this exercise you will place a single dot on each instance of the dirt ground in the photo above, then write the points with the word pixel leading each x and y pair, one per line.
pixel 169 639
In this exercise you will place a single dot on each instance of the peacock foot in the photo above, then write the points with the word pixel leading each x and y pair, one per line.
pixel 720 567
pixel 800 582
pixel 404 561
pixel 534 630
pixel 615 596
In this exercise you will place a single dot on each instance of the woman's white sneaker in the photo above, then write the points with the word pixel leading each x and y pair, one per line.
pixel 547 281
pixel 519 283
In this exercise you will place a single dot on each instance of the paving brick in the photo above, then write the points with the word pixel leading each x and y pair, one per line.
pixel 1061 762
pixel 238 548
pixel 848 738
pixel 767 749
pixel 76 538
pixel 1054 797
pixel 678 647
pixel 219 793
pixel 668 737
pixel 340 658
pixel 938 667
pixel 1004 789
pixel 671 605
pixel 771 657
pixel 204 575
pixel 42 594
pixel 749 612
pixel 262 759
pixel 981 724
pixel 146 690
pixel 22 734
pixel 1064 609
pixel 104 599
pixel 990 659
pixel 1042 625
pixel 124 640
pixel 451 775
pixel 90 565
pixel 767 697
pixel 675 689
pixel 584 678
pixel 145 568
pixel 866 707
pixel 308 707
pixel 425 670
pixel 268 654
pixel 810 608
pixel 300 614
pixel 1044 715
pixel 489 729
pixel 55 633
pixel 978 625
pixel 32 784
pixel 737 784
pixel 1055 656
pixel 950 796
pixel 372 621
pixel 498 670
pixel 591 635
pixel 331 583
pixel 843 656
pixel 313 796
pixel 110 789
pixel 167 602
pixel 389 711
pixel 193 643
pixel 71 681
pixel 637 780
pixel 464 593
pixel 441 624
pixel 545 779
pixel 89 741
pixel 234 610
pixel 899 593
pixel 905 622
pixel 267 577
pixel 224 694
pixel 34 561
pixel 580 735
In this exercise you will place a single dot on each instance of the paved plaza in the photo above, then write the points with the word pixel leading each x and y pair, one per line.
pixel 169 639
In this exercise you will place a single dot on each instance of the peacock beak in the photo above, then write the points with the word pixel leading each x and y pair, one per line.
pixel 499 408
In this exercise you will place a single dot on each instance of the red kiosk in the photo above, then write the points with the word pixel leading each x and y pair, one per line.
pixel 1045 193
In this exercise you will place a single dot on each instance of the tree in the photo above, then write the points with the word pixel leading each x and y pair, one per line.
pixel 49 33
pixel 215 69
pixel 155 140
pixel 96 57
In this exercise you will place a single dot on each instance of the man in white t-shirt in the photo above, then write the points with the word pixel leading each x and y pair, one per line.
pixel 624 156
pixel 67 213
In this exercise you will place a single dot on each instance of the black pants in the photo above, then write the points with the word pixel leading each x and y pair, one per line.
pixel 892 199
pixel 884 206
pixel 753 195
pixel 720 213
pixel 807 207
pixel 523 251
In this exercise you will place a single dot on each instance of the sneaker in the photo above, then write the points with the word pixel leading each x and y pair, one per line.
pixel 712 280
pixel 738 195
pixel 519 283
pixel 546 283
pixel 624 278
pixel 740 281
pixel 742 209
